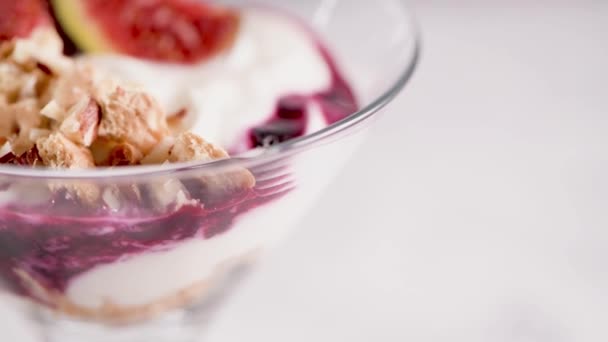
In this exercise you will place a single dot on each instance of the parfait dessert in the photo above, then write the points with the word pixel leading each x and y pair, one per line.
pixel 100 85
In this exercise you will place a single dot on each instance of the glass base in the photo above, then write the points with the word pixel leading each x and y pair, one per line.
pixel 184 325
pixel 171 328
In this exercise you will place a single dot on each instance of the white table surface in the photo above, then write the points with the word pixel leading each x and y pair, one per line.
pixel 478 211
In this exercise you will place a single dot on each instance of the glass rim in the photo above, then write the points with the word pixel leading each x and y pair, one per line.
pixel 245 159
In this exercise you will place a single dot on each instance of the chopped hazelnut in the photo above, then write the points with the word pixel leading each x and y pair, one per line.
pixel 53 110
pixel 81 122
pixel 124 154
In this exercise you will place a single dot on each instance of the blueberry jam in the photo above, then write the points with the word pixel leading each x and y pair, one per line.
pixel 291 115
pixel 54 248
pixel 56 242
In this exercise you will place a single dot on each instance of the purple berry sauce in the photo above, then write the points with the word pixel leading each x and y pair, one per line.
pixel 291 115
pixel 59 241
pixel 53 248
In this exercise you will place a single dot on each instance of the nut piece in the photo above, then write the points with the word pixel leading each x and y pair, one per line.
pixel 43 46
pixel 26 113
pixel 132 116
pixel 19 119
pixel 20 144
pixel 101 149
pixel 30 158
pixel 6 48
pixel 169 192
pixel 8 124
pixel 82 121
pixel 68 89
pixel 6 149
pixel 111 197
pixel 37 133
pixel 10 80
pixel 28 86
pixel 124 154
pixel 59 152
pixel 53 110
pixel 160 153
pixel 189 147
pixel 27 158
pixel 110 153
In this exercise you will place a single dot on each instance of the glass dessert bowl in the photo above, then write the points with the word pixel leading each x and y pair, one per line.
pixel 121 217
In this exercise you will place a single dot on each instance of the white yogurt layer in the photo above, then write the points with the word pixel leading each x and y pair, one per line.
pixel 273 56
pixel 148 277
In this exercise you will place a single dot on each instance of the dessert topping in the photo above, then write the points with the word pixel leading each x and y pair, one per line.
pixel 57 112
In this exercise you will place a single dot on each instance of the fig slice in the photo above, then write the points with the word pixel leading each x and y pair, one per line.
pixel 18 18
pixel 179 31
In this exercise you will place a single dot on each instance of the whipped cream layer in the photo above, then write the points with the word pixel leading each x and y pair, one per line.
pixel 273 57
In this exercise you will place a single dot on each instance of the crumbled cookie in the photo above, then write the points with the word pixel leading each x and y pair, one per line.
pixel 189 147
pixel 59 112
pixel 133 116
pixel 57 151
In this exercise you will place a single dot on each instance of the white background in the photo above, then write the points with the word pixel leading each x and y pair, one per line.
pixel 478 209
